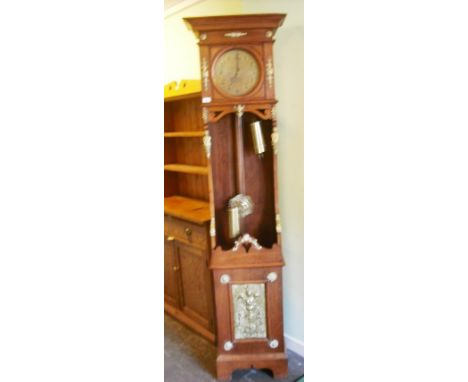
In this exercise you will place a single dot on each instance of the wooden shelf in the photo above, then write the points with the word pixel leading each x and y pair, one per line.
pixel 186 169
pixel 184 134
pixel 196 211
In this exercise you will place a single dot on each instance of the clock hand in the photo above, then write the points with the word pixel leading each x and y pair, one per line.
pixel 237 69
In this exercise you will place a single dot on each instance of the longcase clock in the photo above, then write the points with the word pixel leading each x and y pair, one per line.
pixel 241 142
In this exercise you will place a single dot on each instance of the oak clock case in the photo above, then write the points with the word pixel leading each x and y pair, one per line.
pixel 241 139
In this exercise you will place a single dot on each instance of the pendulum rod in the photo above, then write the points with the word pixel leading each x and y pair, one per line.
pixel 240 174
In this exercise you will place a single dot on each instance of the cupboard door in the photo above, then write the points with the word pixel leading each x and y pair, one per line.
pixel 195 286
pixel 171 292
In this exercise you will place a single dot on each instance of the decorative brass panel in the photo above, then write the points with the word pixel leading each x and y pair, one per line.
pixel 249 310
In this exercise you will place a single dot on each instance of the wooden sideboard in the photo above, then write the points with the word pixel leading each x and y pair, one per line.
pixel 188 286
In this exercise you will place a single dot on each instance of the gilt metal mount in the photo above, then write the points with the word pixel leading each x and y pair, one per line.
pixel 246 239
pixel 207 143
pixel 235 34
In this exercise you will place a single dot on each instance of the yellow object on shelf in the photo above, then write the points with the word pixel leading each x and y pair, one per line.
pixel 184 89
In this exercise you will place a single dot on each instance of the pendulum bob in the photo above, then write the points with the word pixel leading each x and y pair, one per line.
pixel 234 221
pixel 239 207
pixel 257 138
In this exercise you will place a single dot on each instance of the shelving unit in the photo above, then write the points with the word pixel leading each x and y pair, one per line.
pixel 185 163
pixel 188 287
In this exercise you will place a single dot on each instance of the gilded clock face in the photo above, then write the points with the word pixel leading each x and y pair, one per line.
pixel 236 72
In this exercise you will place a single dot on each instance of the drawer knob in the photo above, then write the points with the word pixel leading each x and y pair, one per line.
pixel 170 238
pixel 188 231
pixel 175 269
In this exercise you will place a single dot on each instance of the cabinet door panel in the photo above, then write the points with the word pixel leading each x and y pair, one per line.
pixel 170 274
pixel 195 296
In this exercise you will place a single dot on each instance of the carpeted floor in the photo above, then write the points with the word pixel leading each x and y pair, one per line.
pixel 190 358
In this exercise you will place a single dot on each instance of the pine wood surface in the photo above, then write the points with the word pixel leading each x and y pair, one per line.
pixel 184 134
pixel 192 186
pixel 195 286
pixel 183 115
pixel 170 283
pixel 196 211
pixel 186 169
pixel 186 232
pixel 188 281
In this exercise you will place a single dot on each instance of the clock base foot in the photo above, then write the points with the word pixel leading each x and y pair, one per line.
pixel 226 364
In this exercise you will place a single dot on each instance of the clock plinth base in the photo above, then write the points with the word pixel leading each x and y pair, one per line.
pixel 226 364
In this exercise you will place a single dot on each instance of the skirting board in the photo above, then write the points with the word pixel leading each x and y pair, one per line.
pixel 294 345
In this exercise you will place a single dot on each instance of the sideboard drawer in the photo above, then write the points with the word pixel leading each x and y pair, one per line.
pixel 185 231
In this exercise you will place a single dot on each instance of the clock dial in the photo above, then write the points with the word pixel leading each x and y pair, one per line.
pixel 236 72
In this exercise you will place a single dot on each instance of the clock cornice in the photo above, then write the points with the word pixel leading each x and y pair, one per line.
pixel 270 21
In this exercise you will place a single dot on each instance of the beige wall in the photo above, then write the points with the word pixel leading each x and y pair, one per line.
pixel 182 61
pixel 289 81
pixel 181 56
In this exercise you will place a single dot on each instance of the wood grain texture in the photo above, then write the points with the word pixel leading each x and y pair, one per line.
pixel 171 291
pixel 192 210
pixel 184 115
pixel 186 169
pixel 187 279
pixel 170 185
pixel 188 284
pixel 186 232
pixel 224 174
pixel 269 21
pixel 184 134
pixel 259 185
pixel 193 279
pixel 193 186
